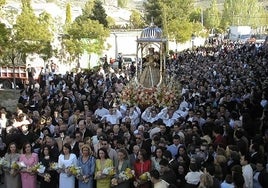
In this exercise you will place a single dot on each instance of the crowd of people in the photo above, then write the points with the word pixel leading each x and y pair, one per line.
pixel 214 135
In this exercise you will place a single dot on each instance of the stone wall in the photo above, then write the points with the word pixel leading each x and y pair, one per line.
pixel 9 99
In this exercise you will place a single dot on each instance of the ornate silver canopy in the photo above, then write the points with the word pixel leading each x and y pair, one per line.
pixel 151 34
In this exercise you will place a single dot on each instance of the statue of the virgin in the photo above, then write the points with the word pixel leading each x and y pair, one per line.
pixel 150 76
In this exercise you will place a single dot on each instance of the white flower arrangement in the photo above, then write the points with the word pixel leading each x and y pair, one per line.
pixel 54 166
pixel 3 162
pixel 38 168
pixel 74 170
pixel 126 175
pixel 17 165
pixel 108 171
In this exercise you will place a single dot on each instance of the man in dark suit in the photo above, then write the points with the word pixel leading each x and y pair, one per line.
pixel 54 148
pixel 82 128
pixel 143 144
pixel 255 153
pixel 133 156
pixel 167 173
pixel 76 138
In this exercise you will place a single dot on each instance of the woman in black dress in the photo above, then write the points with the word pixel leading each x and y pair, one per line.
pixel 50 177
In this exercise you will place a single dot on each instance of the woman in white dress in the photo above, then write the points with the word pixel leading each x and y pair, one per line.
pixel 66 159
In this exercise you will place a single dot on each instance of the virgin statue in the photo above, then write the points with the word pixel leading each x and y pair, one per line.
pixel 150 75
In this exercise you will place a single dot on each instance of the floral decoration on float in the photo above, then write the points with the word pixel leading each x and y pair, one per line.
pixel 160 96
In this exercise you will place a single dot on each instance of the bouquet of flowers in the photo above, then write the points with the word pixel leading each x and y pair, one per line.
pixel 74 170
pixel 83 178
pixel 126 175
pixel 123 176
pixel 38 168
pixel 114 182
pixel 17 165
pixel 3 162
pixel 109 171
pixel 145 176
pixel 142 179
pixel 54 166
pixel 47 177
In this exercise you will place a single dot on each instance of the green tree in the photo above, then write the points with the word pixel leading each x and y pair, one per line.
pixel 236 14
pixel 30 28
pixel 180 30
pixel 2 2
pixel 122 3
pixel 196 15
pixel 87 11
pixel 85 34
pixel 136 20
pixel 26 3
pixel 68 19
pixel 212 17
pixel 30 34
pixel 4 38
pixel 179 8
pixel 99 14
pixel 153 9
pixel 199 30
pixel 111 22
pixel 168 13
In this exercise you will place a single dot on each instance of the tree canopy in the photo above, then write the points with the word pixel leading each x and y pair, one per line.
pixel 212 16
pixel 87 32
pixel 252 13
pixel 68 19
pixel 136 20
pixel 30 34
pixel 173 16
pixel 99 14
pixel 2 2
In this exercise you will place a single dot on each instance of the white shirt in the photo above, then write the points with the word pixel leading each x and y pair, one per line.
pixel 167 120
pixel 113 118
pixel 193 177
pixel 248 175
pixel 134 117
pixel 161 184
pixel 181 113
pixel 147 116
pixel 227 185
pixel 51 128
pixel 101 112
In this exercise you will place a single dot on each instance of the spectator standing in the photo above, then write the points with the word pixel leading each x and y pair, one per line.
pixel 247 171
pixel 157 182
pixel 143 164
pixel 65 160
pixel 87 163
pixel 46 160
pixel 103 162
pixel 120 166
pixel 12 176
pixel 28 177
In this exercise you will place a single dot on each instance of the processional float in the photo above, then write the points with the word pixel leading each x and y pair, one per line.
pixel 151 57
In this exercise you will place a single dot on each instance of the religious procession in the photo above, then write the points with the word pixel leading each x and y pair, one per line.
pixel 196 119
